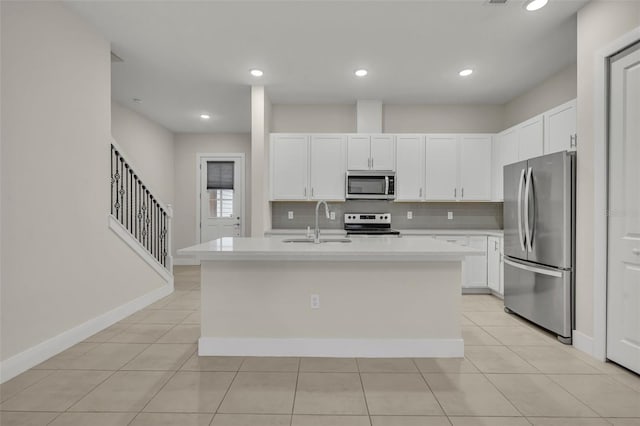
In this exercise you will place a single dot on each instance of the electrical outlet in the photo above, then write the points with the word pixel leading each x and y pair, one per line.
pixel 290 215
pixel 315 301
pixel 450 215
pixel 409 215
pixel 332 215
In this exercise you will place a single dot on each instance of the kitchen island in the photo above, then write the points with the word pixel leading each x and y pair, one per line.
pixel 371 297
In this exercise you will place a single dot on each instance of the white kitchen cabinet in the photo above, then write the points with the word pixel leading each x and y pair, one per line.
pixel 289 167
pixel 475 168
pixel 474 269
pixel 441 168
pixel 476 276
pixel 505 151
pixel 327 167
pixel 410 168
pixel 493 264
pixel 371 152
pixel 531 138
pixel 560 128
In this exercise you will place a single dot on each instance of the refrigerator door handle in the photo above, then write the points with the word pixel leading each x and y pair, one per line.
pixel 527 229
pixel 520 210
pixel 534 269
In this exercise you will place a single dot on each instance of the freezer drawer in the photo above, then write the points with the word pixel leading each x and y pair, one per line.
pixel 541 295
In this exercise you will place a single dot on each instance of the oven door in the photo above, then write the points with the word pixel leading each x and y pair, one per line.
pixel 369 187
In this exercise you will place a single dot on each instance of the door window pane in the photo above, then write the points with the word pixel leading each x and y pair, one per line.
pixel 220 203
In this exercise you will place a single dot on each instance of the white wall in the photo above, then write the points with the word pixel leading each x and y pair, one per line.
pixel 599 23
pixel 313 118
pixel 61 265
pixel 442 118
pixel 555 90
pixel 149 146
pixel 186 147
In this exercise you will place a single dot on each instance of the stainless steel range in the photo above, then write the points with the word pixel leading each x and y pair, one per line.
pixel 369 224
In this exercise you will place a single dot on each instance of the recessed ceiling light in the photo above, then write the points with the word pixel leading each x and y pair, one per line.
pixel 256 72
pixel 361 72
pixel 465 73
pixel 205 116
pixel 532 5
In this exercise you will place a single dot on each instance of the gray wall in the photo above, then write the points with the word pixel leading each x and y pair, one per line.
pixel 425 215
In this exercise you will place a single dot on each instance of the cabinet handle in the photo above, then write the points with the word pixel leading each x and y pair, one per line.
pixel 372 163
pixel 462 193
pixel 312 191
pixel 420 192
pixel 305 191
pixel 455 192
pixel 369 162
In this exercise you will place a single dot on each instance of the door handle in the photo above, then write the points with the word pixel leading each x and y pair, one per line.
pixel 305 191
pixel 372 162
pixel 455 192
pixel 312 192
pixel 462 193
pixel 528 230
pixel 635 251
pixel 520 210
pixel 420 196
pixel 534 269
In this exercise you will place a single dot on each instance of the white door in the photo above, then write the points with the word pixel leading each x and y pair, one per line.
pixel 410 168
pixel 383 153
pixel 475 168
pixel 560 128
pixel 531 138
pixel 442 168
pixel 477 265
pixel 289 168
pixel 623 281
pixel 221 197
pixel 359 153
pixel 328 167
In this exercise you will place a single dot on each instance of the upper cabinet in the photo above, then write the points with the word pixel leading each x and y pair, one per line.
pixel 308 167
pixel 458 167
pixel 531 138
pixel 410 168
pixel 560 128
pixel 289 167
pixel 442 167
pixel 371 152
pixel 505 151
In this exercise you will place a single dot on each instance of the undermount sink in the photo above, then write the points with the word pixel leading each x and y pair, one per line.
pixel 322 240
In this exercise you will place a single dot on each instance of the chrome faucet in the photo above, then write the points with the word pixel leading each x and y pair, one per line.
pixel 316 232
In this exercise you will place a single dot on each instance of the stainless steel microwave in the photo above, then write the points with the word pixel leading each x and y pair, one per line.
pixel 370 185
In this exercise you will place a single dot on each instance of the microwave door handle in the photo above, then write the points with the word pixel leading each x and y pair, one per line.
pixel 386 185
pixel 519 200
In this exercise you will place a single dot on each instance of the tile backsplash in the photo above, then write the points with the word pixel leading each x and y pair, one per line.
pixel 425 215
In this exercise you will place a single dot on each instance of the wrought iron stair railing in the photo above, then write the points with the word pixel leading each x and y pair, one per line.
pixel 139 211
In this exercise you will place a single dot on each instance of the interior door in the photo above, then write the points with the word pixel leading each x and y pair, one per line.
pixel 221 198
pixel 623 281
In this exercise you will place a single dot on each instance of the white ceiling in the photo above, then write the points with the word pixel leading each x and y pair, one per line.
pixel 183 58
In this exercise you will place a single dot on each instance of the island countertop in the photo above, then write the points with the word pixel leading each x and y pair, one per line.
pixel 359 249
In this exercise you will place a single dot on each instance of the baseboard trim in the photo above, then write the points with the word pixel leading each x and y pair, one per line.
pixel 476 290
pixel 41 352
pixel 582 342
pixel 349 348
pixel 123 233
pixel 186 261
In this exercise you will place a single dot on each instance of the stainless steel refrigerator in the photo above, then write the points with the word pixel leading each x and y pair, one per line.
pixel 539 241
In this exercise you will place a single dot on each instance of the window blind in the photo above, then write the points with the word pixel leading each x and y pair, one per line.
pixel 220 175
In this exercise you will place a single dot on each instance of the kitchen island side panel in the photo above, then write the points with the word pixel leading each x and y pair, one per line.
pixel 369 309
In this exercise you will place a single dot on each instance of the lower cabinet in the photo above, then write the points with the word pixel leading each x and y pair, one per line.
pixel 494 265
pixel 474 271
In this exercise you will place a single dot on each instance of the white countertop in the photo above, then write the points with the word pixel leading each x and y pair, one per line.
pixel 359 249
pixel 426 232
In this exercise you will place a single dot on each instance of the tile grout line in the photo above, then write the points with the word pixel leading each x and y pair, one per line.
pixel 424 379
pixel 295 393
pixel 364 392
pixel 215 413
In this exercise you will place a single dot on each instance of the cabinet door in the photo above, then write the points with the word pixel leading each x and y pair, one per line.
pixel 496 168
pixel 476 275
pixel 560 128
pixel 410 168
pixel 359 154
pixel 475 168
pixel 493 264
pixel 383 153
pixel 505 152
pixel 442 168
pixel 328 167
pixel 289 168
pixel 531 138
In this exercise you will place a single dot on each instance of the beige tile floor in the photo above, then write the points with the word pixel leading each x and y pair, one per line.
pixel 145 371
